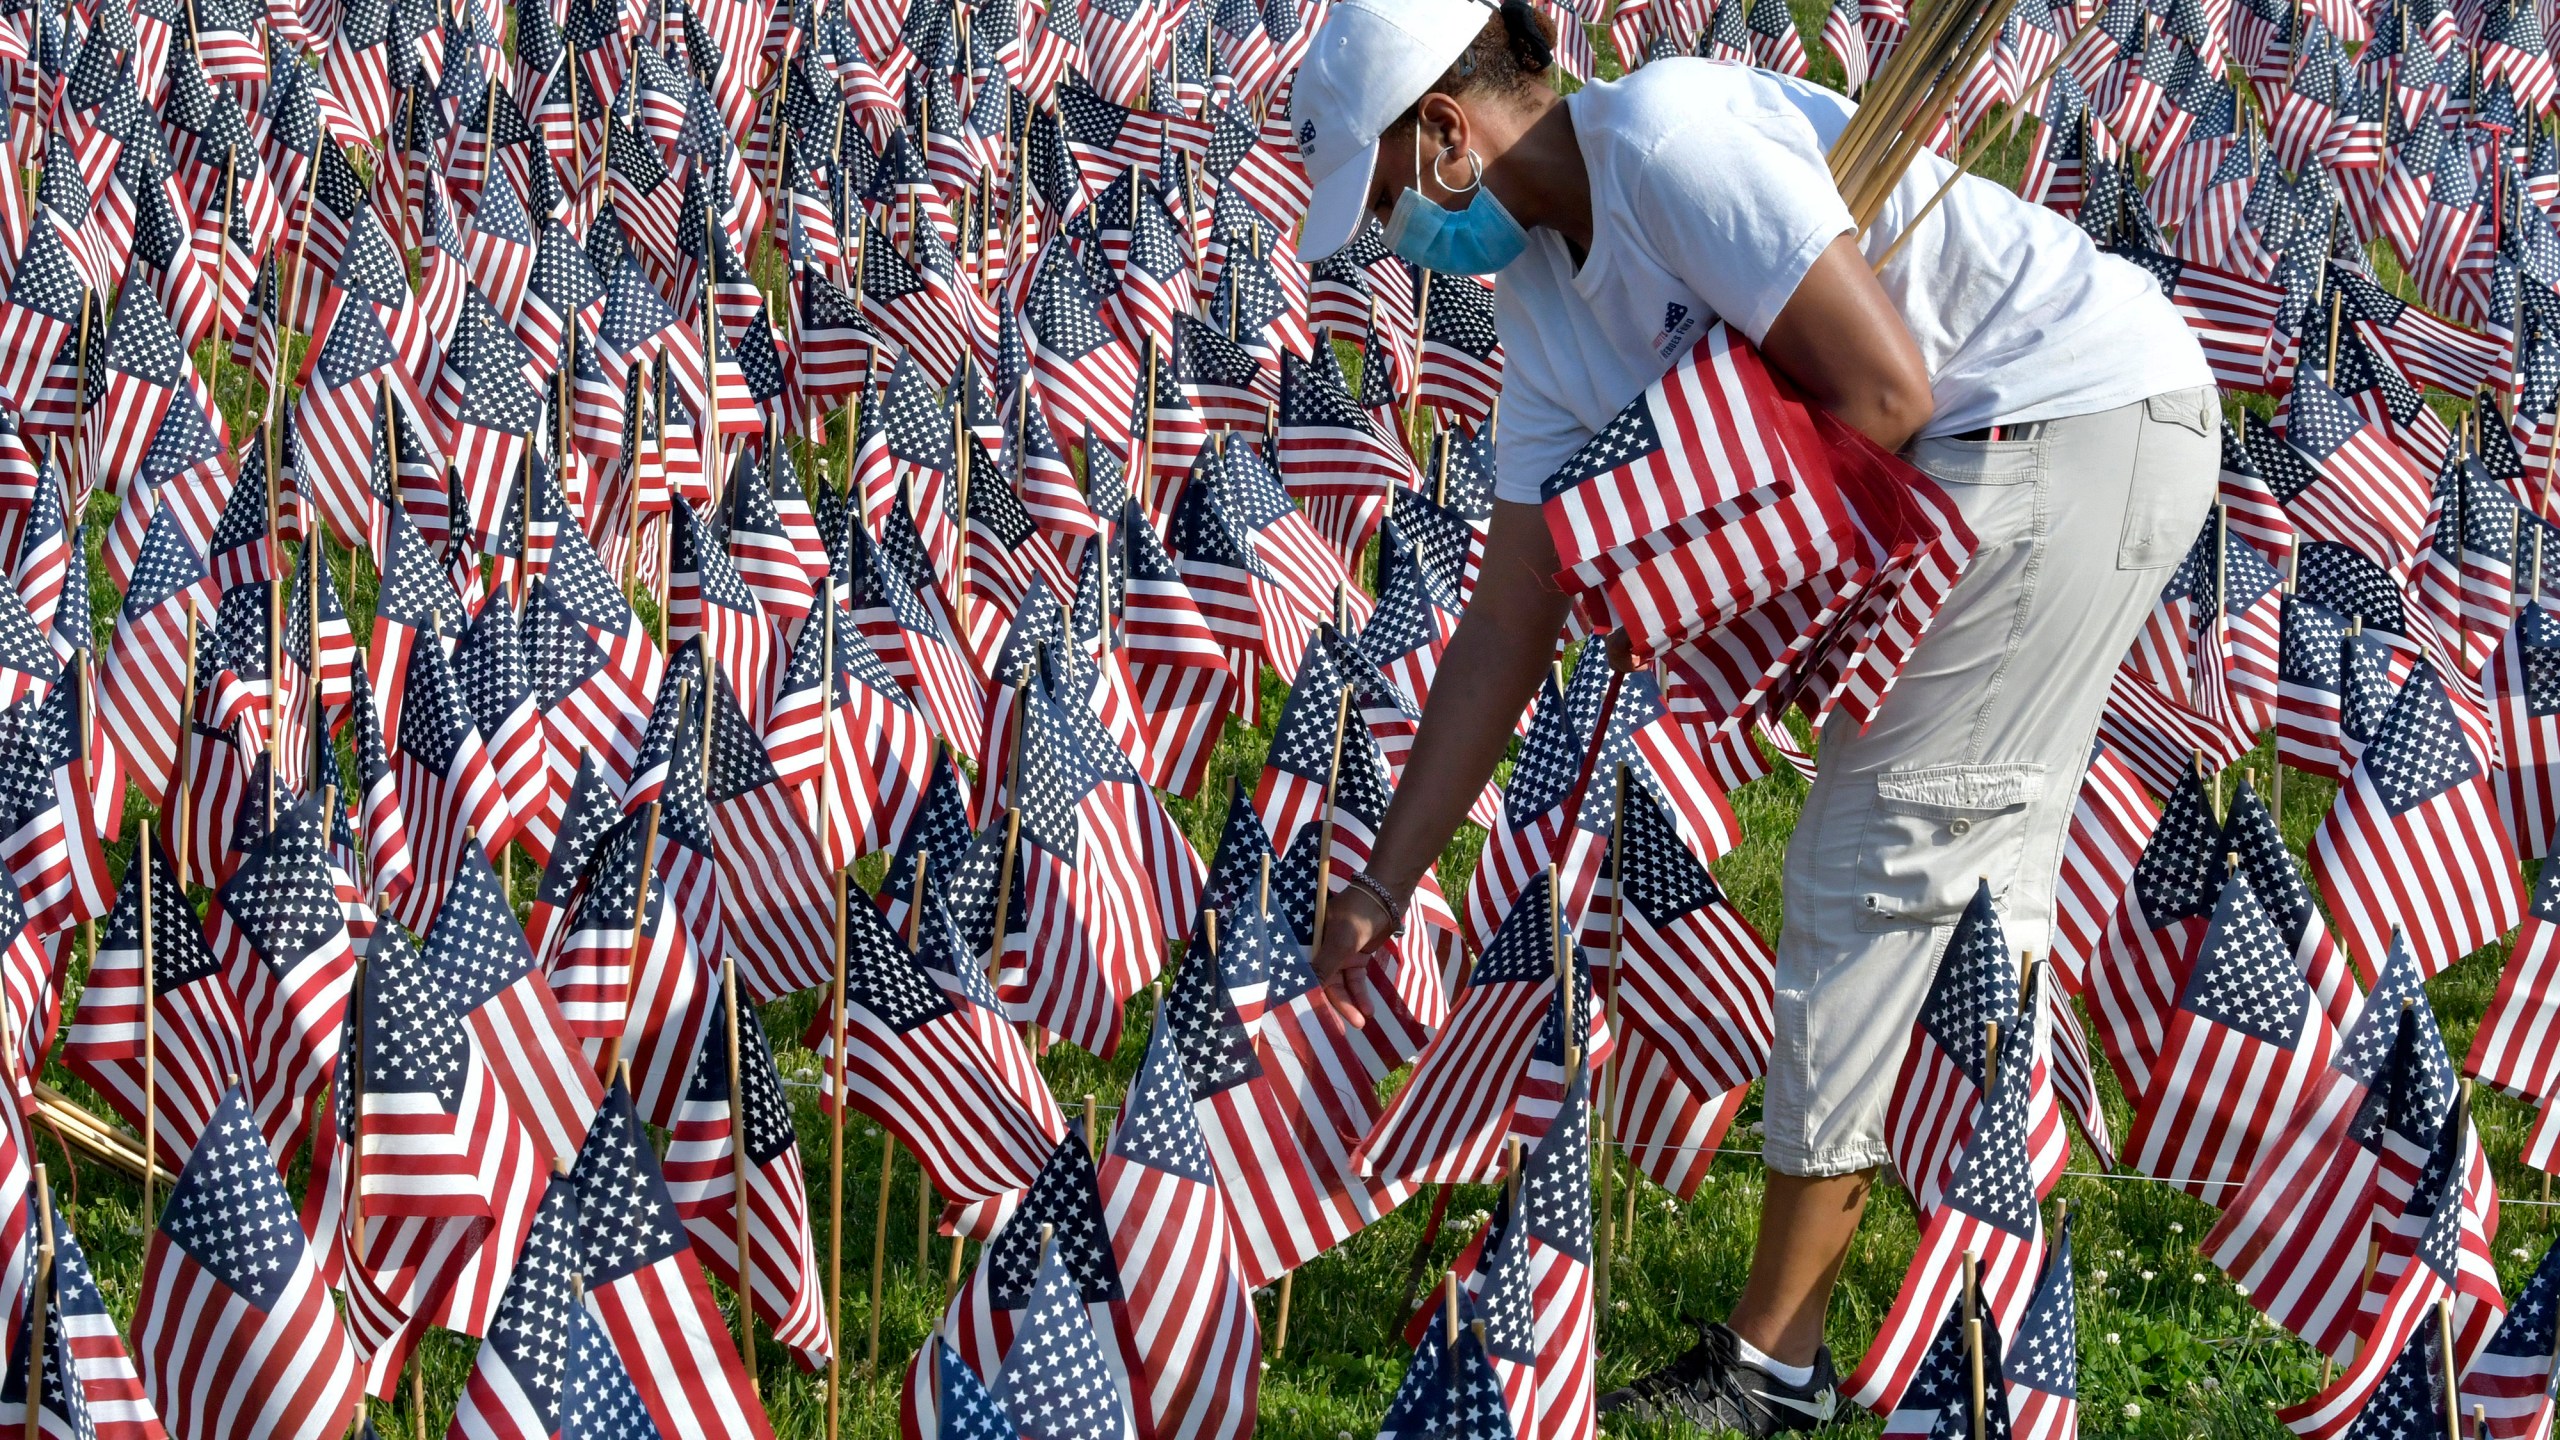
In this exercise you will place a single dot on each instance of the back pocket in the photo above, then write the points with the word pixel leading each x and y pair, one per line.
pixel 1936 834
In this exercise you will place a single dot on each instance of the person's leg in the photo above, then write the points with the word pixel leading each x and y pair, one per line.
pixel 1806 1224
pixel 1968 774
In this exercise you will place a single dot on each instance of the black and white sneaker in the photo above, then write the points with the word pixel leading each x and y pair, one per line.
pixel 1713 1388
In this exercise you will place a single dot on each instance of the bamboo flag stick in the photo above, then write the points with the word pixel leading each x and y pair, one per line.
pixel 1606 1246
pixel 836 1028
pixel 2445 1358
pixel 611 1059
pixel 1973 1357
pixel 36 1366
pixel 924 1182
pixel 880 1243
pixel 150 1029
pixel 740 1168
pixel 1878 183
pixel 1974 150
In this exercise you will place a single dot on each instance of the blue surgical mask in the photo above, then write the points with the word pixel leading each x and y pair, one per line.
pixel 1478 240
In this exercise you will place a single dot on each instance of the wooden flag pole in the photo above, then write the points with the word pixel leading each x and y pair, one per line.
pixel 2447 1372
pixel 924 1182
pixel 1324 880
pixel 149 1216
pixel 1973 1357
pixel 880 1242
pixel 740 1168
pixel 38 1302
pixel 835 1028
pixel 1606 1242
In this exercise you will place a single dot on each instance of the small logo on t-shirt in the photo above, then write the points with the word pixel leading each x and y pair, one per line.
pixel 1306 135
pixel 1677 321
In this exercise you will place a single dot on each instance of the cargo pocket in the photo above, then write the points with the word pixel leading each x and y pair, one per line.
pixel 1936 833
pixel 2173 472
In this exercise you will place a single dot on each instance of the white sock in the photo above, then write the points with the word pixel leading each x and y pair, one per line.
pixel 1750 1354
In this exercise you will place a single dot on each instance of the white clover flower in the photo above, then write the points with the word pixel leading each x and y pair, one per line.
pixel 2240 1290
pixel 2175 1228
pixel 2115 1254
pixel 1618 1305
pixel 2212 1383
pixel 2196 1279
pixel 2521 1253
pixel 2114 1339
pixel 2132 1411
pixel 2097 1277
pixel 2150 1275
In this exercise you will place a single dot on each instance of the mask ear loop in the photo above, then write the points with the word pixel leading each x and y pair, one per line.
pixel 1475 168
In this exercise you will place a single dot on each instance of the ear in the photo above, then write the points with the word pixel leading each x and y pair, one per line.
pixel 1444 125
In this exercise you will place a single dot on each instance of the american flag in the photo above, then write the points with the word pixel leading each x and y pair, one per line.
pixel 2295 1234
pixel 2414 842
pixel 1183 682
pixel 519 1385
pixel 428 1105
pixel 2407 1334
pixel 1940 1398
pixel 413 598
pixel 1084 375
pixel 504 998
pixel 49 833
pixel 90 1388
pixel 2521 686
pixel 2111 822
pixel 775 897
pixel 1262 1052
pixel 1537 1275
pixel 2231 315
pixel 2517 1047
pixel 1333 457
pixel 1107 877
pixel 1461 366
pixel 2245 1047
pixel 2347 481
pixel 1694 451
pixel 899 607
pixel 707 601
pixel 247 1328
pixel 1542 797
pixel 645 1289
pixel 2249 832
pixel 846 740
pixel 145 664
pixel 45 296
pixel 595 666
pixel 449 790
pixel 199 1044
pixel 492 418
pixel 278 931
pixel 918 1065
pixel 704 1171
pixel 1988 1213
pixel 1939 1091
pixel 2465 573
pixel 1694 1000
pixel 1472 1086
pixel 2142 960
pixel 1197 1371
pixel 2309 704
pixel 986 1320
pixel 497 688
pixel 2041 1364
pixel 1451 1391
pixel 1061 1378
pixel 2511 1380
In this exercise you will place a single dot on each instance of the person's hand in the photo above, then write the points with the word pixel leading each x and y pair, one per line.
pixel 1622 652
pixel 1356 928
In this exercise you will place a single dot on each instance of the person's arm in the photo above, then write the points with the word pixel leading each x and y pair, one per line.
pixel 1842 342
pixel 1486 678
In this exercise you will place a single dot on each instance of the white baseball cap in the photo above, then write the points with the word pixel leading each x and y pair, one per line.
pixel 1369 63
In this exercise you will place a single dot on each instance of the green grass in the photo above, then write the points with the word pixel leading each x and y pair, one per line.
pixel 2168 1348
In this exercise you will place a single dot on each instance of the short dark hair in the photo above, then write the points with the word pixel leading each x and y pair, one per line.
pixel 1513 52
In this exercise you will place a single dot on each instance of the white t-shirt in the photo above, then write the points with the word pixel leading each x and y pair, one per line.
pixel 1710 197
